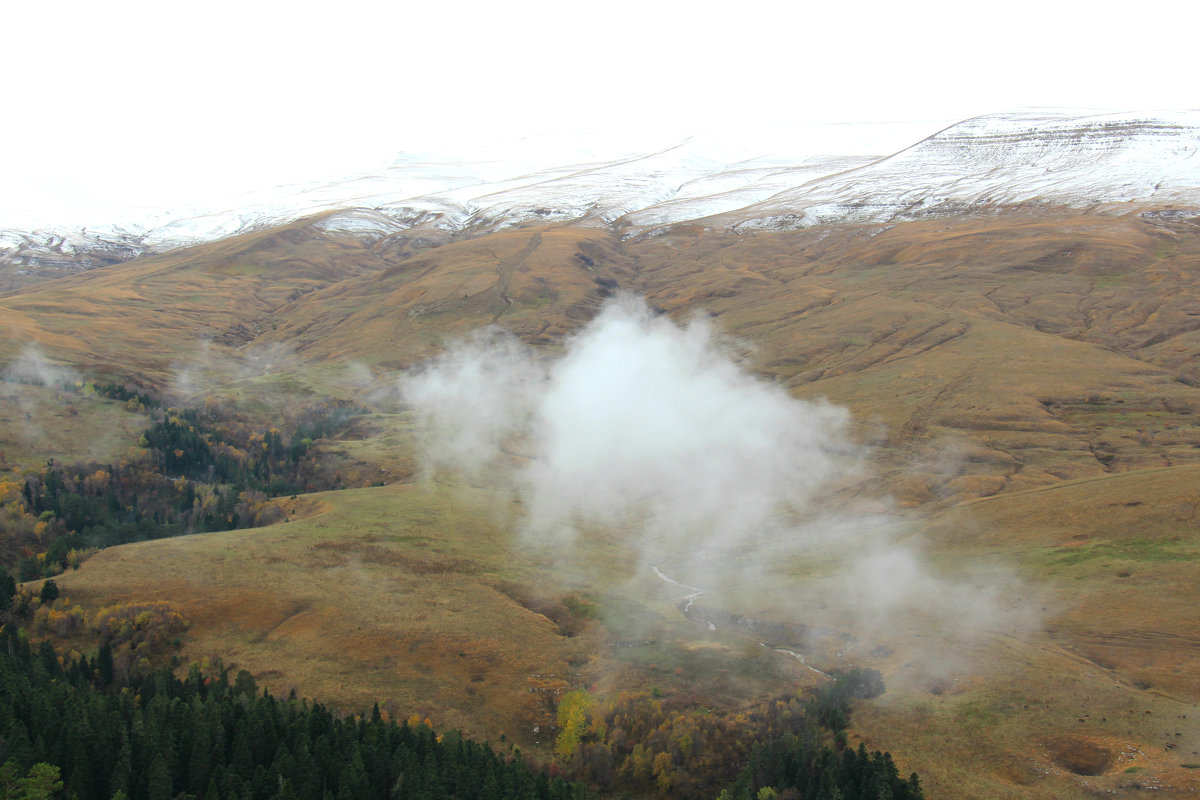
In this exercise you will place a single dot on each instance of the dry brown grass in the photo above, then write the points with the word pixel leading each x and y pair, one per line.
pixel 359 604
pixel 149 314
pixel 1100 695
pixel 1027 385
pixel 38 423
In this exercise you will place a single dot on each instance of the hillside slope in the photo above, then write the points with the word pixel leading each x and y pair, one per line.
pixel 1024 387
pixel 1039 159
pixel 1007 160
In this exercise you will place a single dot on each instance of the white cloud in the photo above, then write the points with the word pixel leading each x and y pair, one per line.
pixel 651 428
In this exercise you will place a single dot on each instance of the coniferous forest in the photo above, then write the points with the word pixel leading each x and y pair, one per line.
pixel 200 470
pixel 156 737
pixel 78 729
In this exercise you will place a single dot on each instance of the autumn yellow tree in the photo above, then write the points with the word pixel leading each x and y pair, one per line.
pixel 572 722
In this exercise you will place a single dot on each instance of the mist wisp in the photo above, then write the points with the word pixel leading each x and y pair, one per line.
pixel 639 421
pixel 654 426
pixel 32 367
pixel 212 368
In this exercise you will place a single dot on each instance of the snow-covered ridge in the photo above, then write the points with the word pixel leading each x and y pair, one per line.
pixel 1046 158
pixel 1005 160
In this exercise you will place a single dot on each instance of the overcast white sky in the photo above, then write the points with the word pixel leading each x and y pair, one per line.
pixel 115 104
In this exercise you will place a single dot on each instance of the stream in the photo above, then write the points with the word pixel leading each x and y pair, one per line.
pixel 799 657
pixel 688 600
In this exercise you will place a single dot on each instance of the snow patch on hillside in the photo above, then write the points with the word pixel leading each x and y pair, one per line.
pixel 1045 158
pixel 1004 160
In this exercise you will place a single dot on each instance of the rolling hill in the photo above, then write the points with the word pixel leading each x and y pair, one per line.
pixel 1021 381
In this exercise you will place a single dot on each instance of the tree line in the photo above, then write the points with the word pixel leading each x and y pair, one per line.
pixel 159 737
pixel 791 747
pixel 202 470
pixel 116 729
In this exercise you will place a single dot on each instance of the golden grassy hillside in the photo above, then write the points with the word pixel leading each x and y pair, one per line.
pixel 1026 387
pixel 146 316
